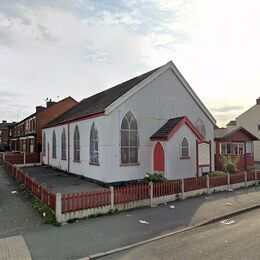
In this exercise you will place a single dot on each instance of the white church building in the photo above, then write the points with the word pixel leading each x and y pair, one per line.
pixel 152 123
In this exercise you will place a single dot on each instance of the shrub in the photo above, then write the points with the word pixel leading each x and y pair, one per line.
pixel 230 164
pixel 153 178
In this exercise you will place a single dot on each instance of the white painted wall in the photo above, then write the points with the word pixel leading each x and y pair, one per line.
pixel 160 100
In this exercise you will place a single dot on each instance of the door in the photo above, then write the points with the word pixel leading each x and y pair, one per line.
pixel 158 158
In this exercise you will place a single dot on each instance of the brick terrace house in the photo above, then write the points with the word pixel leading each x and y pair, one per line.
pixel 5 135
pixel 27 134
pixel 235 143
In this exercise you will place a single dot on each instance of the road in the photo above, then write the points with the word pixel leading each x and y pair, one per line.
pixel 239 240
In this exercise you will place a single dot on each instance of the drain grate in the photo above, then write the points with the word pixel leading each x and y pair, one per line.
pixel 227 221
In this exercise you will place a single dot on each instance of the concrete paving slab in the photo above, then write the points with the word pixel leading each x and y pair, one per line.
pixel 14 248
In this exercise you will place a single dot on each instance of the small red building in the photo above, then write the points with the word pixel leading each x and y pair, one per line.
pixel 234 142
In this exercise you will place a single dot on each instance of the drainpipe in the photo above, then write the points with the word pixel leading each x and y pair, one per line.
pixel 68 148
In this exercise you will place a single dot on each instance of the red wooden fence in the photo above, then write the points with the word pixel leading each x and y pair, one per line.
pixel 34 186
pixel 166 188
pixel 217 181
pixel 18 158
pixel 131 193
pixel 237 178
pixel 85 200
pixel 191 184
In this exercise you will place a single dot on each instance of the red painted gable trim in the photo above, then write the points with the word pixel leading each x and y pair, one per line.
pixel 186 121
pixel 77 119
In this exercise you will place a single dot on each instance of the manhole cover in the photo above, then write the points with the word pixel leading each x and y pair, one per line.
pixel 227 221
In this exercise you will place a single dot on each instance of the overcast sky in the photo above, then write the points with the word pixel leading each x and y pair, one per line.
pixel 59 48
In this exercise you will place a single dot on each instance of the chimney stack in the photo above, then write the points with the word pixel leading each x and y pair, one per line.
pixel 4 121
pixel 50 103
pixel 258 101
pixel 39 109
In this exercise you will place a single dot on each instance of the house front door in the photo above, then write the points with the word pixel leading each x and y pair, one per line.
pixel 158 158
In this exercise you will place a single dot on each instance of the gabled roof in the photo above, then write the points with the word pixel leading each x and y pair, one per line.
pixel 97 103
pixel 225 132
pixel 106 101
pixel 172 126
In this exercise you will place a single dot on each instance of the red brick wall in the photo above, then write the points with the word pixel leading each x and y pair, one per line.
pixel 45 116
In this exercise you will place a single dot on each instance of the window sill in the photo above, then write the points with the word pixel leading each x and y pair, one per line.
pixel 129 164
pixel 185 158
pixel 95 164
pixel 77 161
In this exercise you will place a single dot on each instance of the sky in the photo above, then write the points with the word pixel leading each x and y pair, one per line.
pixel 58 48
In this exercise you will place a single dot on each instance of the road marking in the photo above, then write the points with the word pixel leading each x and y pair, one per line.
pixel 227 221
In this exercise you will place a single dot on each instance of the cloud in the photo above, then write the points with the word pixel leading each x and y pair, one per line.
pixel 62 47
pixel 226 108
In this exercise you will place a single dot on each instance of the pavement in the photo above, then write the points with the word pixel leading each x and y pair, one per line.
pixel 59 181
pixel 97 236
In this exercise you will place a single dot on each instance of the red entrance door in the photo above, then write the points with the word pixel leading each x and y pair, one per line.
pixel 158 158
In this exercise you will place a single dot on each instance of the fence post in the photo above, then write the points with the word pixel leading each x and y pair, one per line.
pixel 228 180
pixel 207 176
pixel 112 196
pixel 58 207
pixel 4 157
pixel 255 177
pixel 151 193
pixel 182 189
pixel 24 158
pixel 245 179
pixel 43 186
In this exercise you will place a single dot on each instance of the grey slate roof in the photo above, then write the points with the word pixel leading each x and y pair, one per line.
pixel 100 101
pixel 224 132
pixel 167 127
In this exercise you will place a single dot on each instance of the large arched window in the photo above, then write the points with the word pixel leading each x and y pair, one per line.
pixel 129 139
pixel 185 148
pixel 44 144
pixel 76 144
pixel 93 148
pixel 63 144
pixel 201 127
pixel 53 144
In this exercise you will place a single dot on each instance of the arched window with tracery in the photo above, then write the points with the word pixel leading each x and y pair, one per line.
pixel 129 139
pixel 93 148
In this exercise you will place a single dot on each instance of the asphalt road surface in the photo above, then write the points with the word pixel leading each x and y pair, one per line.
pixel 237 240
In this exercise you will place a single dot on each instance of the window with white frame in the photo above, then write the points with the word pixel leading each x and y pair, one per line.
pixel 184 148
pixel 225 148
pixel 76 144
pixel 63 144
pixel 238 148
pixel 129 139
pixel 44 144
pixel 93 148
pixel 53 144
